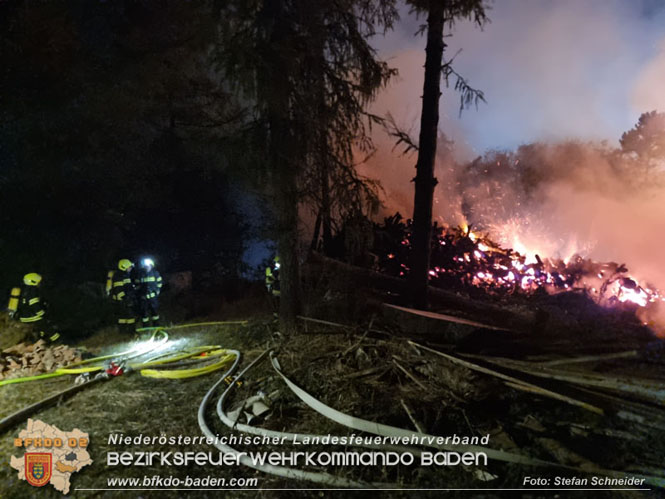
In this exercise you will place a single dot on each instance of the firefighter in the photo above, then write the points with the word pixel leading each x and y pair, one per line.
pixel 148 283
pixel 123 295
pixel 272 277
pixel 27 306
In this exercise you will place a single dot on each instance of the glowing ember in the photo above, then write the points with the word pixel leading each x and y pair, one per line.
pixel 461 257
pixel 630 295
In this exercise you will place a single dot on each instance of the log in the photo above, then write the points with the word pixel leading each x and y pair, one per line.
pixel 631 354
pixel 435 326
pixel 516 383
pixel 645 389
pixel 361 278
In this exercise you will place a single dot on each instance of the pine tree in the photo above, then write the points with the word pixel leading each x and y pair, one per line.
pixel 440 13
pixel 309 72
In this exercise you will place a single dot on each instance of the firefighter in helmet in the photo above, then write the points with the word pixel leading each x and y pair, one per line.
pixel 26 304
pixel 121 290
pixel 148 284
pixel 272 277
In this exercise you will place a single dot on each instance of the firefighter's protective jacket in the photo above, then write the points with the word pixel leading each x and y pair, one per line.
pixel 122 289
pixel 272 281
pixel 31 307
pixel 148 283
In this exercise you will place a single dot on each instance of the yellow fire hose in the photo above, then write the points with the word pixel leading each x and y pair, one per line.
pixel 213 357
pixel 198 354
pixel 72 369
pixel 159 336
pixel 124 356
pixel 226 357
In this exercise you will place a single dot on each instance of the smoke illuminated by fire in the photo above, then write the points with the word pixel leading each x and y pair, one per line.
pixel 520 267
pixel 606 283
pixel 463 258
pixel 570 202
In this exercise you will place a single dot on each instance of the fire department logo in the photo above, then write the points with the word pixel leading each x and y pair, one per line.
pixel 38 468
pixel 51 456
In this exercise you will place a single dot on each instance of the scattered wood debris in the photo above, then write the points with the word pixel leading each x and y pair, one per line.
pixel 25 359
pixel 583 412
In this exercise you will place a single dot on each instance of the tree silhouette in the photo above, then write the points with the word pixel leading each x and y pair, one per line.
pixel 646 141
pixel 308 72
pixel 439 13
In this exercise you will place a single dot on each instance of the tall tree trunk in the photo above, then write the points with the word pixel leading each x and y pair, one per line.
pixel 287 225
pixel 325 210
pixel 317 230
pixel 284 168
pixel 425 181
pixel 319 82
pixel 323 218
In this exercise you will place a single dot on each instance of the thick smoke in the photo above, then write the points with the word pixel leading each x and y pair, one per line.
pixel 648 89
pixel 568 78
pixel 566 198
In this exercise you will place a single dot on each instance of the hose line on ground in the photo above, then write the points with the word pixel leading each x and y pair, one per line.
pixel 122 357
pixel 243 458
pixel 75 368
pixel 287 436
pixel 226 357
pixel 159 335
pixel 205 358
pixel 375 428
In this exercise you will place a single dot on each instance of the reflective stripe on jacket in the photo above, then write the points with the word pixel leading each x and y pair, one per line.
pixel 31 307
pixel 121 286
pixel 149 283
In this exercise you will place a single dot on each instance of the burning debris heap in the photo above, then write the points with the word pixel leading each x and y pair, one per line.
pixel 26 359
pixel 462 258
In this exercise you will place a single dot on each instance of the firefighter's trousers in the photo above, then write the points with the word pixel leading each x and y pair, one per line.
pixel 124 312
pixel 149 311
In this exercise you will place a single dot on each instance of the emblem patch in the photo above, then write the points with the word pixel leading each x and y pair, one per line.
pixel 38 468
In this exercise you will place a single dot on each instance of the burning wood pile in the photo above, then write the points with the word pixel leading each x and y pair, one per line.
pixel 462 258
pixel 32 359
